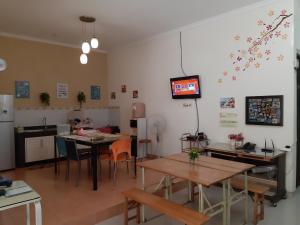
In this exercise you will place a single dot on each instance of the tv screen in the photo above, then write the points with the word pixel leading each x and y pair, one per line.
pixel 185 87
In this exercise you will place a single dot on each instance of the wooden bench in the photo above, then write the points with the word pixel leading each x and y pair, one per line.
pixel 258 191
pixel 139 197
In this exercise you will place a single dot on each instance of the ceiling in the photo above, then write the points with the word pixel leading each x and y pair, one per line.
pixel 118 21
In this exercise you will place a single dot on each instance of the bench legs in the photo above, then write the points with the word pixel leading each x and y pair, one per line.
pixel 130 205
pixel 258 208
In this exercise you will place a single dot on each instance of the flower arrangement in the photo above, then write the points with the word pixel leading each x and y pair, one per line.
pixel 193 154
pixel 236 139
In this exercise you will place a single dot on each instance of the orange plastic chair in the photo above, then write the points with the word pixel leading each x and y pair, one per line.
pixel 121 152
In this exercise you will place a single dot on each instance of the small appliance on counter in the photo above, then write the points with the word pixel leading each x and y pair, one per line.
pixel 7 150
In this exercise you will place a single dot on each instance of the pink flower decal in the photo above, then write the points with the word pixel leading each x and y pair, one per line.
pixel 283 12
pixel 287 24
pixel 249 39
pixel 225 73
pixel 269 27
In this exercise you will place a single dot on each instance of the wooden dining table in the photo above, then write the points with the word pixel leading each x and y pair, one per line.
pixel 204 172
pixel 95 145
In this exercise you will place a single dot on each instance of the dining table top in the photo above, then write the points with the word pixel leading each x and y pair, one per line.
pixel 214 163
pixel 206 171
pixel 94 138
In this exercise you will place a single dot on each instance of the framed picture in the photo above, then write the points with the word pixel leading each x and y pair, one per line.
pixel 264 110
pixel 62 91
pixel 95 92
pixel 113 95
pixel 22 89
pixel 123 88
pixel 135 94
pixel 227 102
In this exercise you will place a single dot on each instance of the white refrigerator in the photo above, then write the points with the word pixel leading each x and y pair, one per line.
pixel 7 142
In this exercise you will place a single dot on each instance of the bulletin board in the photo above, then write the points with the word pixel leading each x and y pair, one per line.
pixel 264 110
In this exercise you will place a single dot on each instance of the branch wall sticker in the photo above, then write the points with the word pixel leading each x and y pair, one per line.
pixel 258 50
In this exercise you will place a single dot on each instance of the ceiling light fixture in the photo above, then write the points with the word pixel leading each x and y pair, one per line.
pixel 87 43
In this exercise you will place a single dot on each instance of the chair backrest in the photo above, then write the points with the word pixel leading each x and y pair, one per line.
pixel 61 146
pixel 121 146
pixel 72 149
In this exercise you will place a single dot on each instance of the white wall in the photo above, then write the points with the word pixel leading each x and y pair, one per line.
pixel 148 66
pixel 297 24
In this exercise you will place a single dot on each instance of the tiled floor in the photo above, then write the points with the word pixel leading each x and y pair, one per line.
pixel 65 204
pixel 286 213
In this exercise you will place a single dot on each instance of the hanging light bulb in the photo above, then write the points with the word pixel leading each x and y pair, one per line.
pixel 86 47
pixel 94 42
pixel 83 59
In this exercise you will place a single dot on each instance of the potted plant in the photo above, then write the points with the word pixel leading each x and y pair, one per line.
pixel 193 155
pixel 81 98
pixel 45 98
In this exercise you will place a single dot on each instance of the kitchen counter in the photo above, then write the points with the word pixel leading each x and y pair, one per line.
pixel 27 133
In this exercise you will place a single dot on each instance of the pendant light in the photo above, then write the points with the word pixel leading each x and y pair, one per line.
pixel 85 47
pixel 88 43
pixel 83 59
pixel 94 40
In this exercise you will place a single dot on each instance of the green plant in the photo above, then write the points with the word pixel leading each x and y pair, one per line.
pixel 81 98
pixel 193 154
pixel 45 98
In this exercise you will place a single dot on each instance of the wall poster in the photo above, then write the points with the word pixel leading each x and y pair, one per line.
pixel 62 90
pixel 95 92
pixel 22 89
pixel 264 110
pixel 228 119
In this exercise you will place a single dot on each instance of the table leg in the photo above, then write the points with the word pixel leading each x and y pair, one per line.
pixel 27 214
pixel 224 185
pixel 228 202
pixel 201 202
pixel 38 213
pixel 135 166
pixel 246 198
pixel 190 190
pixel 55 157
pixel 143 188
pixel 94 167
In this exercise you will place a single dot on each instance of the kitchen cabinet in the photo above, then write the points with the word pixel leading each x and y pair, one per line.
pixel 39 148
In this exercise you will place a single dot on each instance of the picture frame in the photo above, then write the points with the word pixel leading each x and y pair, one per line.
pixel 22 89
pixel 264 110
pixel 95 92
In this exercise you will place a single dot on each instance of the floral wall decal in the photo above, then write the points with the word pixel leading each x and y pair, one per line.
pixel 258 49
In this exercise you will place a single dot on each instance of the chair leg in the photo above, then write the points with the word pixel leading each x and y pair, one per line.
pixel 78 173
pixel 115 172
pixel 127 166
pixel 126 212
pixel 100 168
pixel 89 167
pixel 68 170
pixel 109 167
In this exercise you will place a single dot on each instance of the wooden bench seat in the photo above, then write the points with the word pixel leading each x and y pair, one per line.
pixel 258 191
pixel 171 209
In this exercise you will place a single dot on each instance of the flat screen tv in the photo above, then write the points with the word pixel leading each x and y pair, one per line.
pixel 185 87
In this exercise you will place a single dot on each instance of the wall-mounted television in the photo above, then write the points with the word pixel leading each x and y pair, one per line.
pixel 185 87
